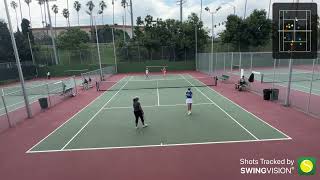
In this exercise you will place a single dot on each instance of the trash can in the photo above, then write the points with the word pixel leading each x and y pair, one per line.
pixel 275 94
pixel 43 103
pixel 266 94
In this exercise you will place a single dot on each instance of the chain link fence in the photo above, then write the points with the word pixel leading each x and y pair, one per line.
pixel 269 74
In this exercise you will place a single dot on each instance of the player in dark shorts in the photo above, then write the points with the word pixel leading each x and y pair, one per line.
pixel 138 112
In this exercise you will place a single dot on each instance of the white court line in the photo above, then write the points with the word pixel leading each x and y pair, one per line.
pixel 73 117
pixel 222 110
pixel 95 115
pixel 158 94
pixel 168 105
pixel 245 110
pixel 160 145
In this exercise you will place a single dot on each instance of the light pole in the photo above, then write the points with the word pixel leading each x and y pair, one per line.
pixel 245 9
pixel 16 54
pixel 212 27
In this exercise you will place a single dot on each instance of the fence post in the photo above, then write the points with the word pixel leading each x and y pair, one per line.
pixel 251 61
pixel 311 85
pixel 75 84
pixel 139 53
pixel 224 62
pixel 240 61
pixel 231 61
pixel 48 92
pixel 80 57
pixel 5 108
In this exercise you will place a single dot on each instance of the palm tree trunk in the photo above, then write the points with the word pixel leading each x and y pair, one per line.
pixel 78 18
pixel 102 19
pixel 55 24
pixel 41 16
pixel 20 10
pixel 29 15
pixel 17 19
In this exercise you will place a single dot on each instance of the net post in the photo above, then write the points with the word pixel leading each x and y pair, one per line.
pixel 5 109
pixel 274 75
pixel 311 85
pixel 75 84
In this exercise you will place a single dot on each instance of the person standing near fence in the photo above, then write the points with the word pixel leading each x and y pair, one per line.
pixel 48 75
pixel 147 73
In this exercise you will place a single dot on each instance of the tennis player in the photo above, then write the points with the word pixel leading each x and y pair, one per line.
pixel 138 112
pixel 164 71
pixel 147 73
pixel 189 100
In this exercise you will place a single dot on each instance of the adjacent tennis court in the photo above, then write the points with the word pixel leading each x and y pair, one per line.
pixel 13 96
pixel 108 122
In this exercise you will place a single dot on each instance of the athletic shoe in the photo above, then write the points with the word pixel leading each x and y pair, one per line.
pixel 146 125
pixel 189 113
pixel 137 127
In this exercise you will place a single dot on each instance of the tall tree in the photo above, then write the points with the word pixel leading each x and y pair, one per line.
pixel 69 12
pixel 20 10
pixel 77 7
pixel 90 6
pixel 124 4
pixel 55 10
pixel 102 6
pixel 65 13
pixel 40 2
pixel 253 31
pixel 28 3
pixel 14 5
pixel 6 52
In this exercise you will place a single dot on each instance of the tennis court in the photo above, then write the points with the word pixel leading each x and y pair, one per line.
pixel 108 121
pixel 300 79
pixel 13 95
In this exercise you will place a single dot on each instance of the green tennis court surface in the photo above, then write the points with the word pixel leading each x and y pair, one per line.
pixel 108 122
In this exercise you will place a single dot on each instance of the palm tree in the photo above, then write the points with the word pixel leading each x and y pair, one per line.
pixel 102 6
pixel 20 10
pixel 28 3
pixel 40 2
pixel 77 7
pixel 69 13
pixel 14 5
pixel 90 6
pixel 124 4
pixel 65 13
pixel 55 10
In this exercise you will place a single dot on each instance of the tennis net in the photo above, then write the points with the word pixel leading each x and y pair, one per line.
pixel 51 88
pixel 284 77
pixel 155 84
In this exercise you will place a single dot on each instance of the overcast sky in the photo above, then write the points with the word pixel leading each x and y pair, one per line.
pixel 157 8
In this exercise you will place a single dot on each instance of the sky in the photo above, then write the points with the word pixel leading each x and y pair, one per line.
pixel 157 8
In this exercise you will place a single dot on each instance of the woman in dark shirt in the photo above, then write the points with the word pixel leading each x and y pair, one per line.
pixel 138 112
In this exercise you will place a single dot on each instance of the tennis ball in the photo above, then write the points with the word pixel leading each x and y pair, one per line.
pixel 306 166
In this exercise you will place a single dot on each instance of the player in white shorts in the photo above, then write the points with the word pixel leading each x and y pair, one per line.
pixel 189 100
pixel 147 73
pixel 164 71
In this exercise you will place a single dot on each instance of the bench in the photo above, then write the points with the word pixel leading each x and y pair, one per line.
pixel 86 86
pixel 243 87
pixel 224 77
pixel 68 92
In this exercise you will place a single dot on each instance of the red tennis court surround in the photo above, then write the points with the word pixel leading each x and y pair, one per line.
pixel 205 162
